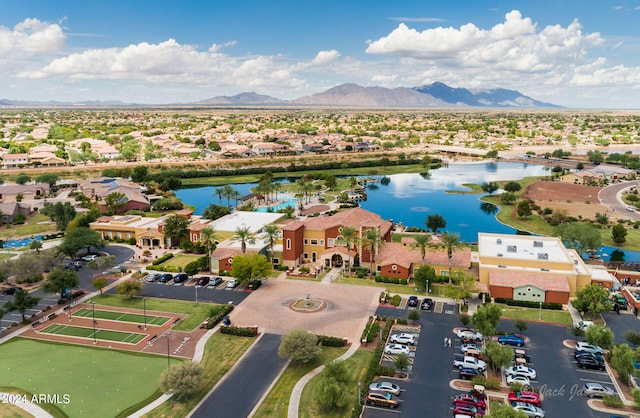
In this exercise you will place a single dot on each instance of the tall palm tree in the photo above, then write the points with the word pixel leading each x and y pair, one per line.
pixel 348 237
pixel 244 236
pixel 209 236
pixel 452 243
pixel 372 240
pixel 422 240
pixel 271 233
pixel 228 194
pixel 220 193
pixel 235 195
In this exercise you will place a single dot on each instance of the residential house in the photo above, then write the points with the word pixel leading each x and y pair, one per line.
pixel 15 192
pixel 9 211
pixel 99 188
pixel 15 160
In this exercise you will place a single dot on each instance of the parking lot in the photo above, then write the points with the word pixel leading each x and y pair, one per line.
pixel 427 391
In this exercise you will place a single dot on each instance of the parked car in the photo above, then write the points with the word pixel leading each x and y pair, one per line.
pixel 468 410
pixel 590 363
pixel 165 278
pixel 517 353
pixel 469 334
pixel 427 304
pixel 413 302
pixel 532 411
pixel 385 387
pixel 152 277
pixel 215 281
pixel 73 265
pixel 379 398
pixel 523 380
pixel 526 397
pixel 180 278
pixel 511 339
pixel 232 284
pixel 470 400
pixel 89 257
pixel 396 349
pixel 467 373
pixel 11 291
pixel 596 390
pixel 468 346
pixel 403 338
pixel 521 371
pixel 582 324
pixel 585 346
pixel 587 354
pixel 203 281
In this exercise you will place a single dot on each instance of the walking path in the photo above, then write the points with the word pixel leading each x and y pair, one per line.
pixel 331 276
pixel 27 406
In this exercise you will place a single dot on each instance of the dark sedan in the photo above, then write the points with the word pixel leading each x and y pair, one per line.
pixel 467 373
pixel 11 291
pixel 413 302
pixel 589 363
pixel 427 304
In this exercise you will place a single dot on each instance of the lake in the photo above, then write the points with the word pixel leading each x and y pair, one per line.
pixel 410 198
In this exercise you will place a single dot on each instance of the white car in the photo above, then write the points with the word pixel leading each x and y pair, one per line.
pixel 631 209
pixel 469 346
pixel 89 258
pixel 582 324
pixel 403 338
pixel 532 411
pixel 469 334
pixel 523 380
pixel 584 346
pixel 385 387
pixel 231 284
pixel 396 349
pixel 594 390
pixel 521 371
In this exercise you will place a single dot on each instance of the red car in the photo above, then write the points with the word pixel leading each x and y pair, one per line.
pixel 469 399
pixel 468 410
pixel 528 397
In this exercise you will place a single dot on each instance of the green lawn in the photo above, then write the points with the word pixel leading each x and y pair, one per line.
pixel 357 367
pixel 30 227
pixel 532 314
pixel 100 383
pixel 100 334
pixel 197 313
pixel 122 316
pixel 220 354
pixel 181 260
pixel 276 404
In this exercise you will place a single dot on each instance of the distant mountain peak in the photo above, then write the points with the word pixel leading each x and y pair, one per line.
pixel 249 98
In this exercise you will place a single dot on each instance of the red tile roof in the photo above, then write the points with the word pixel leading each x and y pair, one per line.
pixel 543 281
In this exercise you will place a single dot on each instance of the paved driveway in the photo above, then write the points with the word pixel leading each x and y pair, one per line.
pixel 240 390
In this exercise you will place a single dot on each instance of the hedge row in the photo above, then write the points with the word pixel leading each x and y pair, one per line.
pixel 394 280
pixel 239 331
pixel 327 341
pixel 168 269
pixel 529 304
pixel 213 321
pixel 162 259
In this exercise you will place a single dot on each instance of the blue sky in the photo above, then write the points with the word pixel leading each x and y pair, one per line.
pixel 573 53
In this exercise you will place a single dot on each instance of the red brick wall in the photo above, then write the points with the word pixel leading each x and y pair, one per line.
pixel 296 244
pixel 557 297
pixel 401 272
pixel 224 264
pixel 501 292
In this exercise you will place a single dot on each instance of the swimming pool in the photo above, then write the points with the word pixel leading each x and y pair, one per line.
pixel 17 243
pixel 291 201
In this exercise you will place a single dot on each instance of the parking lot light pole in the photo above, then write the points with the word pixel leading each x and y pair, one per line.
pixel 93 316
pixel 196 287
pixel 168 334
pixel 540 312
pixel 427 287
pixel 359 393
pixel 144 304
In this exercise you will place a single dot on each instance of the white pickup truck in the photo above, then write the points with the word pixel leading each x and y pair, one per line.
pixel 460 361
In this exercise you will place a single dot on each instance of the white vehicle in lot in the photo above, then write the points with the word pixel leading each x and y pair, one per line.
pixel 232 284
pixel 523 380
pixel 596 390
pixel 469 334
pixel 385 387
pixel 532 411
pixel 521 371
pixel 470 362
pixel 584 346
pixel 396 349
pixel 89 257
pixel 403 338
pixel 582 324
pixel 469 346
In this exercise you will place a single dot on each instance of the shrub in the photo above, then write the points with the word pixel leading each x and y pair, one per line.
pixel 304 270
pixel 487 383
pixel 612 401
pixel 402 321
pixel 213 321
pixel 371 332
pixel 403 281
pixel 378 279
pixel 529 304
pixel 385 371
pixel 414 314
pixel 395 300
pixel 162 259
pixel 239 331
pixel 327 341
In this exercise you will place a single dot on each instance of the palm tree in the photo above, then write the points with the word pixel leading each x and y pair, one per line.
pixel 271 233
pixel 452 243
pixel 235 195
pixel 372 240
pixel 220 193
pixel 422 240
pixel 244 236
pixel 228 194
pixel 209 236
pixel 347 238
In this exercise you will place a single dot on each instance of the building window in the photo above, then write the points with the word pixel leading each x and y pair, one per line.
pixel 276 261
pixel 305 256
pixel 543 256
pixel 444 273
pixel 322 242
pixel 314 242
pixel 330 242
pixel 128 235
pixel 394 267
pixel 288 244
pixel 537 244
pixel 512 249
pixel 305 241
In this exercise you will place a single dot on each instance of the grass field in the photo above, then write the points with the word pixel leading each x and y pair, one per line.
pixel 122 316
pixel 356 368
pixel 180 260
pixel 100 383
pixel 276 403
pixel 532 314
pixel 100 334
pixel 196 312
pixel 30 227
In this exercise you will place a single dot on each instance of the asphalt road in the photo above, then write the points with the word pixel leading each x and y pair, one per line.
pixel 85 276
pixel 243 387
pixel 608 196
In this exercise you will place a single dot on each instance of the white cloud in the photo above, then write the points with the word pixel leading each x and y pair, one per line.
pixel 29 37
pixel 325 57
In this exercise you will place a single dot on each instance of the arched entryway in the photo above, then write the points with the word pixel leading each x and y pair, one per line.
pixel 336 260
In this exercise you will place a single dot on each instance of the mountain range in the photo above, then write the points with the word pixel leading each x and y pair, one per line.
pixel 435 95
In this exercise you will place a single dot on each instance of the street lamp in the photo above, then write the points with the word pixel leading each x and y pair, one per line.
pixel 93 316
pixel 196 287
pixel 144 303
pixel 359 393
pixel 427 287
pixel 168 358
pixel 540 312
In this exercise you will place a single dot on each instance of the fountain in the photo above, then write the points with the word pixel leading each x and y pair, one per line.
pixel 307 304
